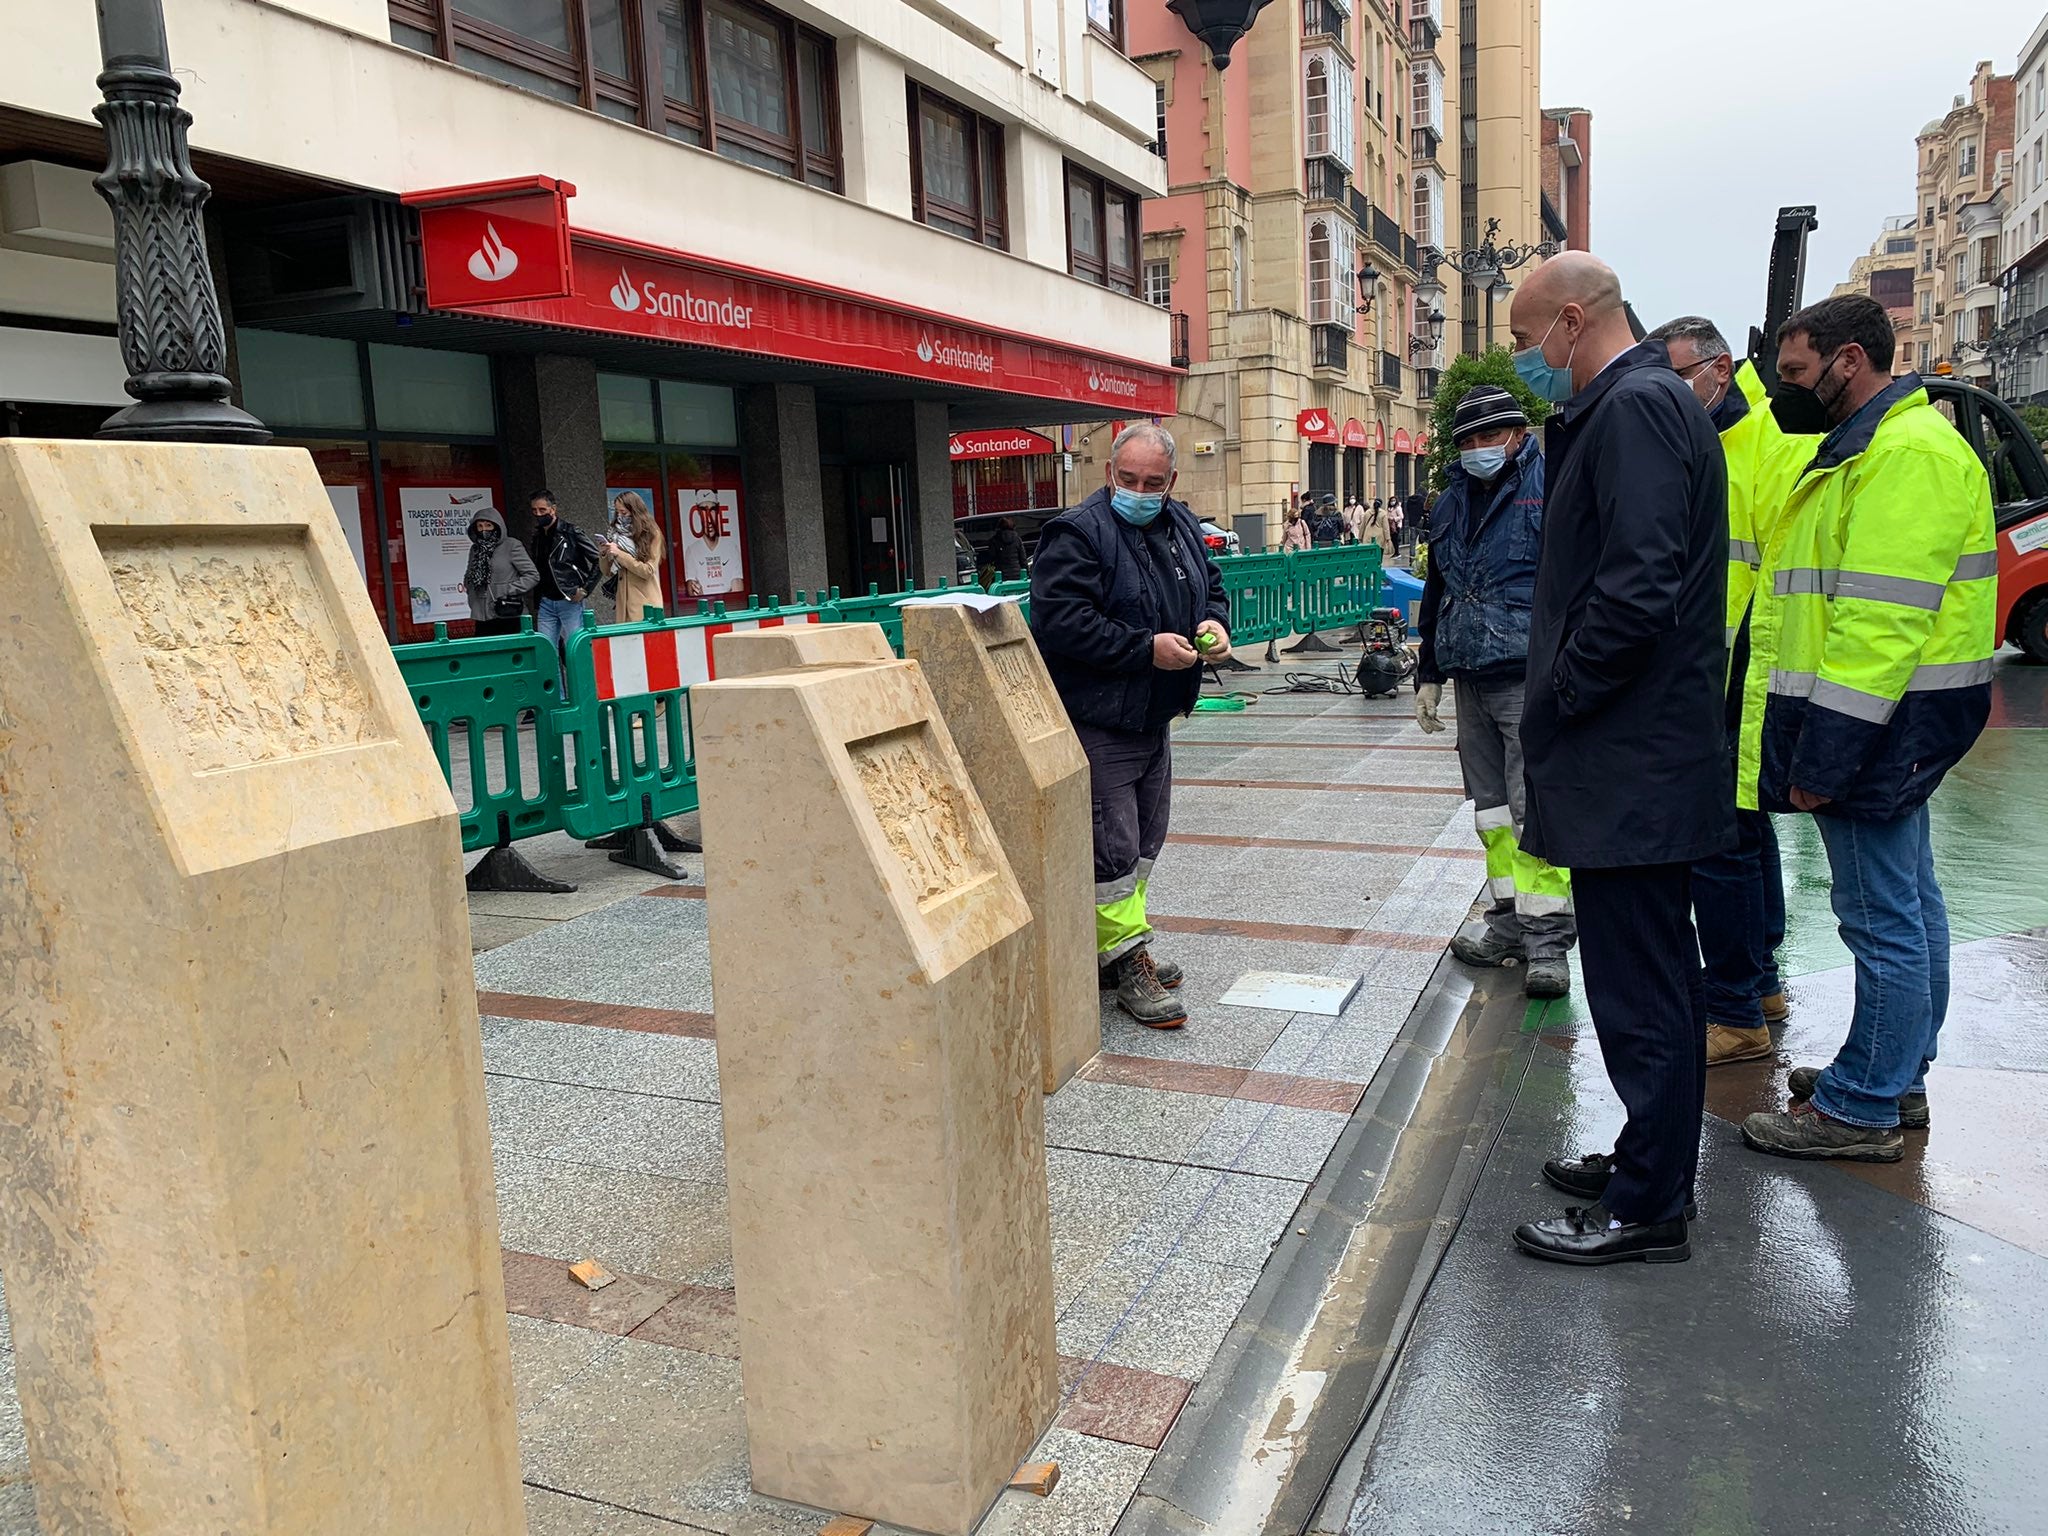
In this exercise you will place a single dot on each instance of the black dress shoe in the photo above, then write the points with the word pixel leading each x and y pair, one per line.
pixel 1587 1178
pixel 1583 1236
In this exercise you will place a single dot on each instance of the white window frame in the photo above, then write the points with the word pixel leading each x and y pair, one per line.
pixel 1426 96
pixel 1329 100
pixel 1332 291
pixel 1156 282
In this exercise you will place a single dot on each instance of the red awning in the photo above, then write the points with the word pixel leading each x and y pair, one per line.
pixel 1422 442
pixel 1003 443
pixel 621 287
pixel 1402 442
pixel 1316 426
pixel 1354 434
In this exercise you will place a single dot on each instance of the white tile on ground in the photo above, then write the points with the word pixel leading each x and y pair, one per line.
pixel 1291 992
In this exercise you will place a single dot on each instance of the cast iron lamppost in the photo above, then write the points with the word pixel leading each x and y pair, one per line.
pixel 1489 265
pixel 1218 23
pixel 165 304
pixel 1431 336
pixel 1368 287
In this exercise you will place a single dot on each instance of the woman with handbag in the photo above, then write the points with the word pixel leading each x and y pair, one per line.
pixel 632 561
pixel 500 577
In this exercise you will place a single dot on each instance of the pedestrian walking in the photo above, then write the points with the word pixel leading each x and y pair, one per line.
pixel 630 557
pixel 1474 624
pixel 565 558
pixel 1869 677
pixel 1395 517
pixel 1294 534
pixel 1622 734
pixel 1006 549
pixel 1125 606
pixel 1739 896
pixel 1414 512
pixel 1354 521
pixel 499 577
pixel 1374 528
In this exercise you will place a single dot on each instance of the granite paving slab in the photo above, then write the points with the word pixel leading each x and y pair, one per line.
pixel 545 1051
pixel 628 1131
pixel 630 1220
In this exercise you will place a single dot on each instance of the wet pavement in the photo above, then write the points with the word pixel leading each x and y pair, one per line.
pixel 1854 1348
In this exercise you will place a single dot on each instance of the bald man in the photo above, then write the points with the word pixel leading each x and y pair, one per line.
pixel 1622 735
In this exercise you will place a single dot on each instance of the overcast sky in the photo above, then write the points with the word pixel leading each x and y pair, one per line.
pixel 1707 119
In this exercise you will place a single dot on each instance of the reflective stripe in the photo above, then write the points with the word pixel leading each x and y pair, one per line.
pixel 1107 891
pixel 1976 567
pixel 1729 635
pixel 1491 816
pixel 1932 676
pixel 1802 581
pixel 1540 904
pixel 1501 887
pixel 1853 702
pixel 1744 551
pixel 1793 685
pixel 1144 870
pixel 1903 590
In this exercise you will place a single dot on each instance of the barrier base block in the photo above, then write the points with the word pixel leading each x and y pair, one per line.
pixel 642 848
pixel 505 868
pixel 1231 664
pixel 1312 642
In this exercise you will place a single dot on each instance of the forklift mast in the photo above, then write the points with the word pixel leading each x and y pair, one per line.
pixel 1787 285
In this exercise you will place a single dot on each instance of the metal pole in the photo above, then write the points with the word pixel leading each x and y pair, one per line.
pixel 165 304
pixel 1489 317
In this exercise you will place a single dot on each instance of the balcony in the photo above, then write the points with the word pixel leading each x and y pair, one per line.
pixel 1426 381
pixel 1327 181
pixel 1330 347
pixel 1321 18
pixel 1361 208
pixel 1411 257
pixel 1386 234
pixel 1390 372
pixel 1182 354
pixel 1425 25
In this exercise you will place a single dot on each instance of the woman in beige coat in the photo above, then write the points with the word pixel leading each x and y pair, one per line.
pixel 638 567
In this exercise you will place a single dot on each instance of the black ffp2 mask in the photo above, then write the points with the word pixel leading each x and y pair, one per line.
pixel 1799 410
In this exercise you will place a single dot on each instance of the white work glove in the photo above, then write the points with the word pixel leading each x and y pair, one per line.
pixel 1427 697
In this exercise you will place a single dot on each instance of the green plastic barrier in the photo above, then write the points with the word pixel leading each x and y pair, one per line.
pixel 1258 587
pixel 1332 588
pixel 878 607
pixel 484 689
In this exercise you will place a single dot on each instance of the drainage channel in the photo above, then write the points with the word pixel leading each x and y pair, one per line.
pixel 1271 1440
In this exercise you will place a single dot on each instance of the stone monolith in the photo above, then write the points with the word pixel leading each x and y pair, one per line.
pixel 750 652
pixel 884 1132
pixel 1027 764
pixel 247 1219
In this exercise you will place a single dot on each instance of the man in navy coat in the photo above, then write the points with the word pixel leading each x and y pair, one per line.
pixel 1622 735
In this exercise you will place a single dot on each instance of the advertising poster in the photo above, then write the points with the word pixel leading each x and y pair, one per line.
pixel 436 520
pixel 348 511
pixel 713 564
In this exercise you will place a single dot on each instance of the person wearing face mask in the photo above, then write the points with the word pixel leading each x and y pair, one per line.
pixel 1126 605
pixel 1623 740
pixel 1474 623
pixel 1869 677
pixel 1739 896
pixel 499 576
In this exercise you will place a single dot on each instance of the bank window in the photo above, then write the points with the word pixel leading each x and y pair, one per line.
pixel 726 75
pixel 701 415
pixel 1102 231
pixel 1107 18
pixel 417 390
pixel 625 409
pixel 291 381
pixel 956 169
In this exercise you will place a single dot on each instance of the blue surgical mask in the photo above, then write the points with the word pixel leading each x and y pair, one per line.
pixel 1544 380
pixel 1484 463
pixel 1136 507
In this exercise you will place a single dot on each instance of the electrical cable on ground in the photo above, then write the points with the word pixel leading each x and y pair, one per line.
pixel 1400 1343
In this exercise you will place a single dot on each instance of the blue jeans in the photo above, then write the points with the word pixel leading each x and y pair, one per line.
pixel 1895 923
pixel 1739 902
pixel 559 618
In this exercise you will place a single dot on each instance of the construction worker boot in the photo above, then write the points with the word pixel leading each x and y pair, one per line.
pixel 1170 975
pixel 1485 949
pixel 1139 993
pixel 1914 1114
pixel 1726 1043
pixel 1547 976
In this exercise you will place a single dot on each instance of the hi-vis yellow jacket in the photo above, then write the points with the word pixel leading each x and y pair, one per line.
pixel 1874 621
pixel 1763 466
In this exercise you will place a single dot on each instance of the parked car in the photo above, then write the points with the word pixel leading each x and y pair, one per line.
pixel 1221 541
pixel 981 527
pixel 966 563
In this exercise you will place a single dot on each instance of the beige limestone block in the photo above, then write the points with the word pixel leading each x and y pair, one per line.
pixel 750 652
pixel 246 1208
pixel 1028 767
pixel 884 1132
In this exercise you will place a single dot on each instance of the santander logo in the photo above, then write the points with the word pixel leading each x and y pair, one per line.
pixel 1314 423
pixel 624 295
pixel 493 260
pixel 924 349
pixel 1109 384
pixel 682 304
pixel 946 354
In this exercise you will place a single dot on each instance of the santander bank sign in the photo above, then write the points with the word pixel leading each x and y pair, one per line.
pixel 670 303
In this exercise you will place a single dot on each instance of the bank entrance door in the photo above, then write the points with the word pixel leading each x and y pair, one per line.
pixel 878 530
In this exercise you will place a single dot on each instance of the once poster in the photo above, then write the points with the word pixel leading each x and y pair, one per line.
pixel 437 519
pixel 712 562
pixel 348 511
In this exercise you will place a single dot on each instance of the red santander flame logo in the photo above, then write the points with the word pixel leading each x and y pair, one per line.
pixel 624 295
pixel 1314 423
pixel 493 260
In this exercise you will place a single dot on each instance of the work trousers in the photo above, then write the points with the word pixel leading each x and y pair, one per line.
pixel 1130 779
pixel 1641 963
pixel 1532 900
pixel 1739 902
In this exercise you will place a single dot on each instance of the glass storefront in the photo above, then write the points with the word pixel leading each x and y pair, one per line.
pixel 1029 483
pixel 676 446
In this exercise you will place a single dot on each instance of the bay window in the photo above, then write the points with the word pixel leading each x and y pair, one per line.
pixel 1102 231
pixel 956 169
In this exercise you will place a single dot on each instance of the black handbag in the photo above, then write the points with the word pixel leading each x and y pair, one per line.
pixel 509 607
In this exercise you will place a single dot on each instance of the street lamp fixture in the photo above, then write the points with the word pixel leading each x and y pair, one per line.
pixel 1431 336
pixel 166 307
pixel 1368 287
pixel 1487 266
pixel 1218 23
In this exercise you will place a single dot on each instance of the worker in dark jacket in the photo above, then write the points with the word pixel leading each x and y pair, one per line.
pixel 1623 735
pixel 1006 549
pixel 1474 623
pixel 1126 605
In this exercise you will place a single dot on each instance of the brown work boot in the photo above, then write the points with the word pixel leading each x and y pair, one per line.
pixel 1139 993
pixel 1914 1114
pixel 1776 1009
pixel 1806 1132
pixel 1726 1043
